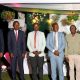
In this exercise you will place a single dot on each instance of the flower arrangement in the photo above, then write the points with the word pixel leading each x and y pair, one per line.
pixel 7 15
pixel 55 18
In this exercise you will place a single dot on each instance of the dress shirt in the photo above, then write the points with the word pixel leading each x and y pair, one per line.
pixel 55 35
pixel 40 42
pixel 15 32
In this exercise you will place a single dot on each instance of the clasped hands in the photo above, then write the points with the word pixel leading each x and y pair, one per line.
pixel 56 53
pixel 36 53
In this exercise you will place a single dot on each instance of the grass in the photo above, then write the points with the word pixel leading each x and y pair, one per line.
pixel 5 76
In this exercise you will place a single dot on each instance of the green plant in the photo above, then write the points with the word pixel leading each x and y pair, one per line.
pixel 72 17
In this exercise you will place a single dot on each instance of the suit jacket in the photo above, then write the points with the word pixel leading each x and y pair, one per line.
pixel 1 42
pixel 41 43
pixel 16 47
pixel 61 44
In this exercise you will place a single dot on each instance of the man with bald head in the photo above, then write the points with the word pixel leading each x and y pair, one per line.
pixel 56 45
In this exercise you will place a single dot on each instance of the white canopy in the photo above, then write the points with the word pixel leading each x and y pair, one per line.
pixel 45 6
pixel 39 1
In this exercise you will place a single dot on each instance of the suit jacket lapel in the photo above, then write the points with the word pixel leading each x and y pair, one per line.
pixel 52 37
pixel 18 34
pixel 14 37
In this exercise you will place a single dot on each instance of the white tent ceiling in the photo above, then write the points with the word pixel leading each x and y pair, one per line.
pixel 45 6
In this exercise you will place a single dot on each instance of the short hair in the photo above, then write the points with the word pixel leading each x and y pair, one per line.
pixel 15 22
pixel 35 24
pixel 73 26
pixel 54 24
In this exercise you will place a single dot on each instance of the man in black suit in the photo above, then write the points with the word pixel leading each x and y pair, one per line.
pixel 16 47
pixel 1 49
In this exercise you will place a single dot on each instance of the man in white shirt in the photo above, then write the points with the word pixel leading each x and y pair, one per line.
pixel 36 44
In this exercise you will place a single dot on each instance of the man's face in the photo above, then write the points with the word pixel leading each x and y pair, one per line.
pixel 36 27
pixel 73 29
pixel 55 28
pixel 16 26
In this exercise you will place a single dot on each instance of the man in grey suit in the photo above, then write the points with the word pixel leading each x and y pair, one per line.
pixel 56 45
pixel 1 49
pixel 16 47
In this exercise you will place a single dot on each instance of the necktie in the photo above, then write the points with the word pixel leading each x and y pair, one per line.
pixel 55 41
pixel 16 35
pixel 35 40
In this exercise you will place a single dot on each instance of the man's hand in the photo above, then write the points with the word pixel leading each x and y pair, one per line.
pixel 39 52
pixel 11 55
pixel 33 52
pixel 36 53
pixel 1 54
pixel 56 53
pixel 66 58
pixel 23 55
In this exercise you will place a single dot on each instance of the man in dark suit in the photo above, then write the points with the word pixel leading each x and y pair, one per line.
pixel 1 49
pixel 16 47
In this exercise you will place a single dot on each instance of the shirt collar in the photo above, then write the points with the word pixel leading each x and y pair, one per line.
pixel 36 31
pixel 16 30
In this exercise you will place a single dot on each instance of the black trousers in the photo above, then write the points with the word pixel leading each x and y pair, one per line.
pixel 37 66
pixel 17 60
pixel 0 69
